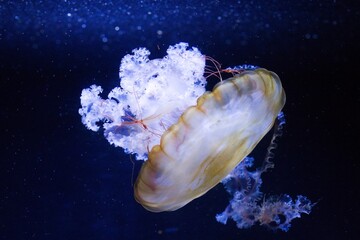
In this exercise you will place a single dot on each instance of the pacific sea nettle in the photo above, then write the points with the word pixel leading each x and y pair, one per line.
pixel 195 138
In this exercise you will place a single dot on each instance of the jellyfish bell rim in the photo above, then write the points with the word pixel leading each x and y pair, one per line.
pixel 159 174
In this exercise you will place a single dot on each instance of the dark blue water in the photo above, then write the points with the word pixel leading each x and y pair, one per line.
pixel 61 181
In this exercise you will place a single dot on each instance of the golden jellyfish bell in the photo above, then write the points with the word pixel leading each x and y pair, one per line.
pixel 209 140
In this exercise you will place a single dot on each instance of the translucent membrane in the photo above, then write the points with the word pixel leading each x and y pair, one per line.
pixel 209 140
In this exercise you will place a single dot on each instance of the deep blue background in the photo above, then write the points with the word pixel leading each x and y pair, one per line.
pixel 61 181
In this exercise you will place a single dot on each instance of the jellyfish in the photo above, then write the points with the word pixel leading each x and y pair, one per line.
pixel 190 139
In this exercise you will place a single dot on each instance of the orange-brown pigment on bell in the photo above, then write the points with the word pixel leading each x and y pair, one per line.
pixel 209 140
